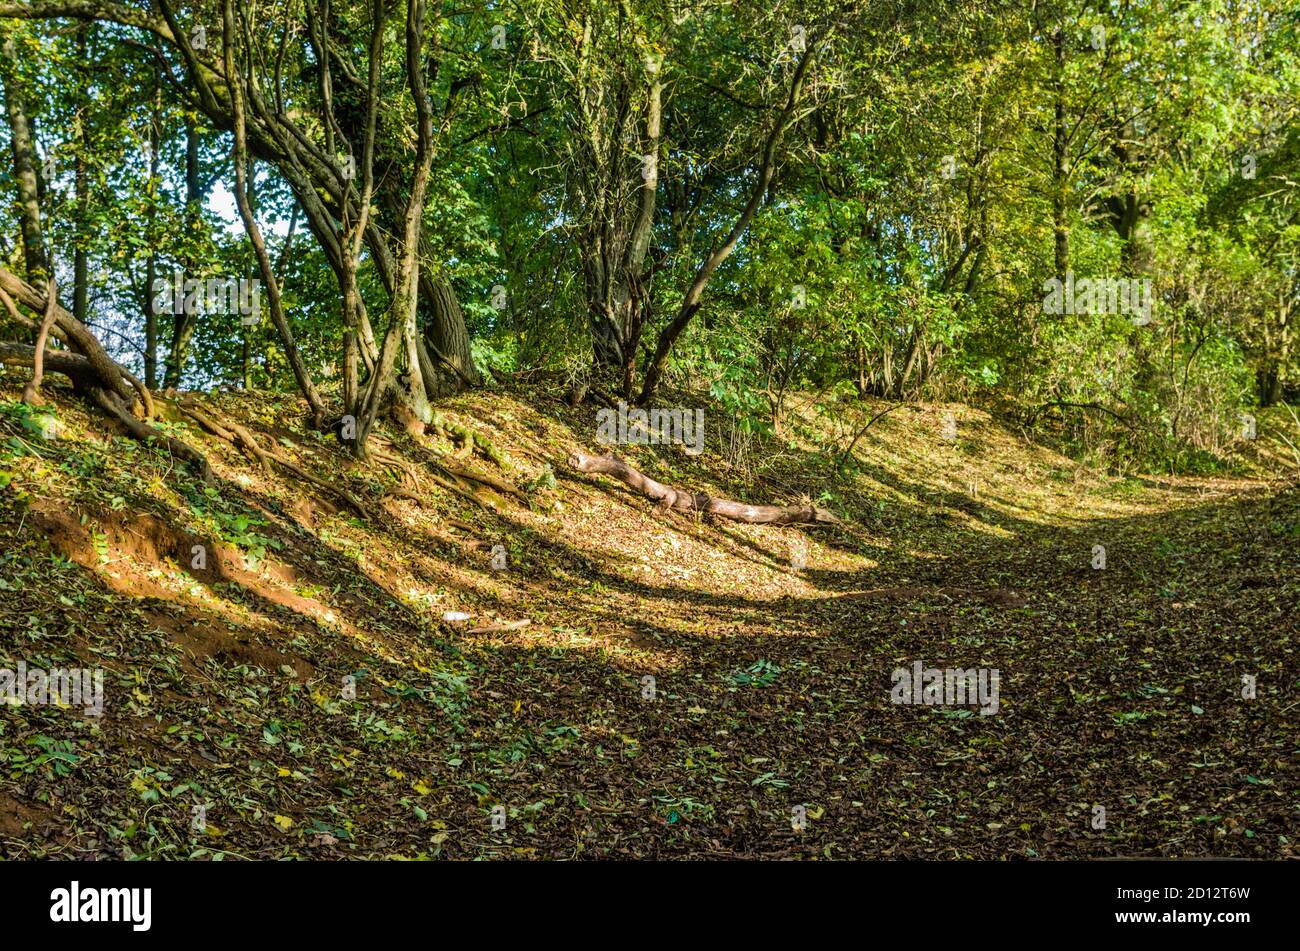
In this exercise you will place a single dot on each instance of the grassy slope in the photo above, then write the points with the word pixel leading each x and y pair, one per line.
pixel 1118 687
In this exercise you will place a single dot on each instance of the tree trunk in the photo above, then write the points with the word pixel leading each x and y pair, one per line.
pixel 695 293
pixel 616 115
pixel 24 159
pixel 151 265
pixel 350 373
pixel 1060 177
pixel 76 335
pixel 244 200
pixel 80 258
pixel 445 338
pixel 1268 385
pixel 32 391
pixel 150 326
pixel 183 327
pixel 402 336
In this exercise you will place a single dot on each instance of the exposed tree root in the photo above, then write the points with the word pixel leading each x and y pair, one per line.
pixel 440 477
pixel 468 440
pixel 461 471
pixel 683 501
pixel 454 478
pixel 32 391
pixel 94 374
pixel 87 381
pixel 451 471
pixel 241 438
pixel 455 486
pixel 110 403
pixel 72 365
pixel 77 336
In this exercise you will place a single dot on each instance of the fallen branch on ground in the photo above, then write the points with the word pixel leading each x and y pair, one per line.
pixel 683 501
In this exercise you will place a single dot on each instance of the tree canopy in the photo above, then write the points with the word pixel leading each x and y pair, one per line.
pixel 1084 212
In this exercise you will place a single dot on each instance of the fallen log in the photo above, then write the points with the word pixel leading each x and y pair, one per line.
pixel 682 501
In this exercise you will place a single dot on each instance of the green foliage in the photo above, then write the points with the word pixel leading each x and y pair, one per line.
pixel 943 164
pixel 231 522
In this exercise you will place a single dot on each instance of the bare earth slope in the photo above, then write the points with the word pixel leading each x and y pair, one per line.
pixel 301 694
